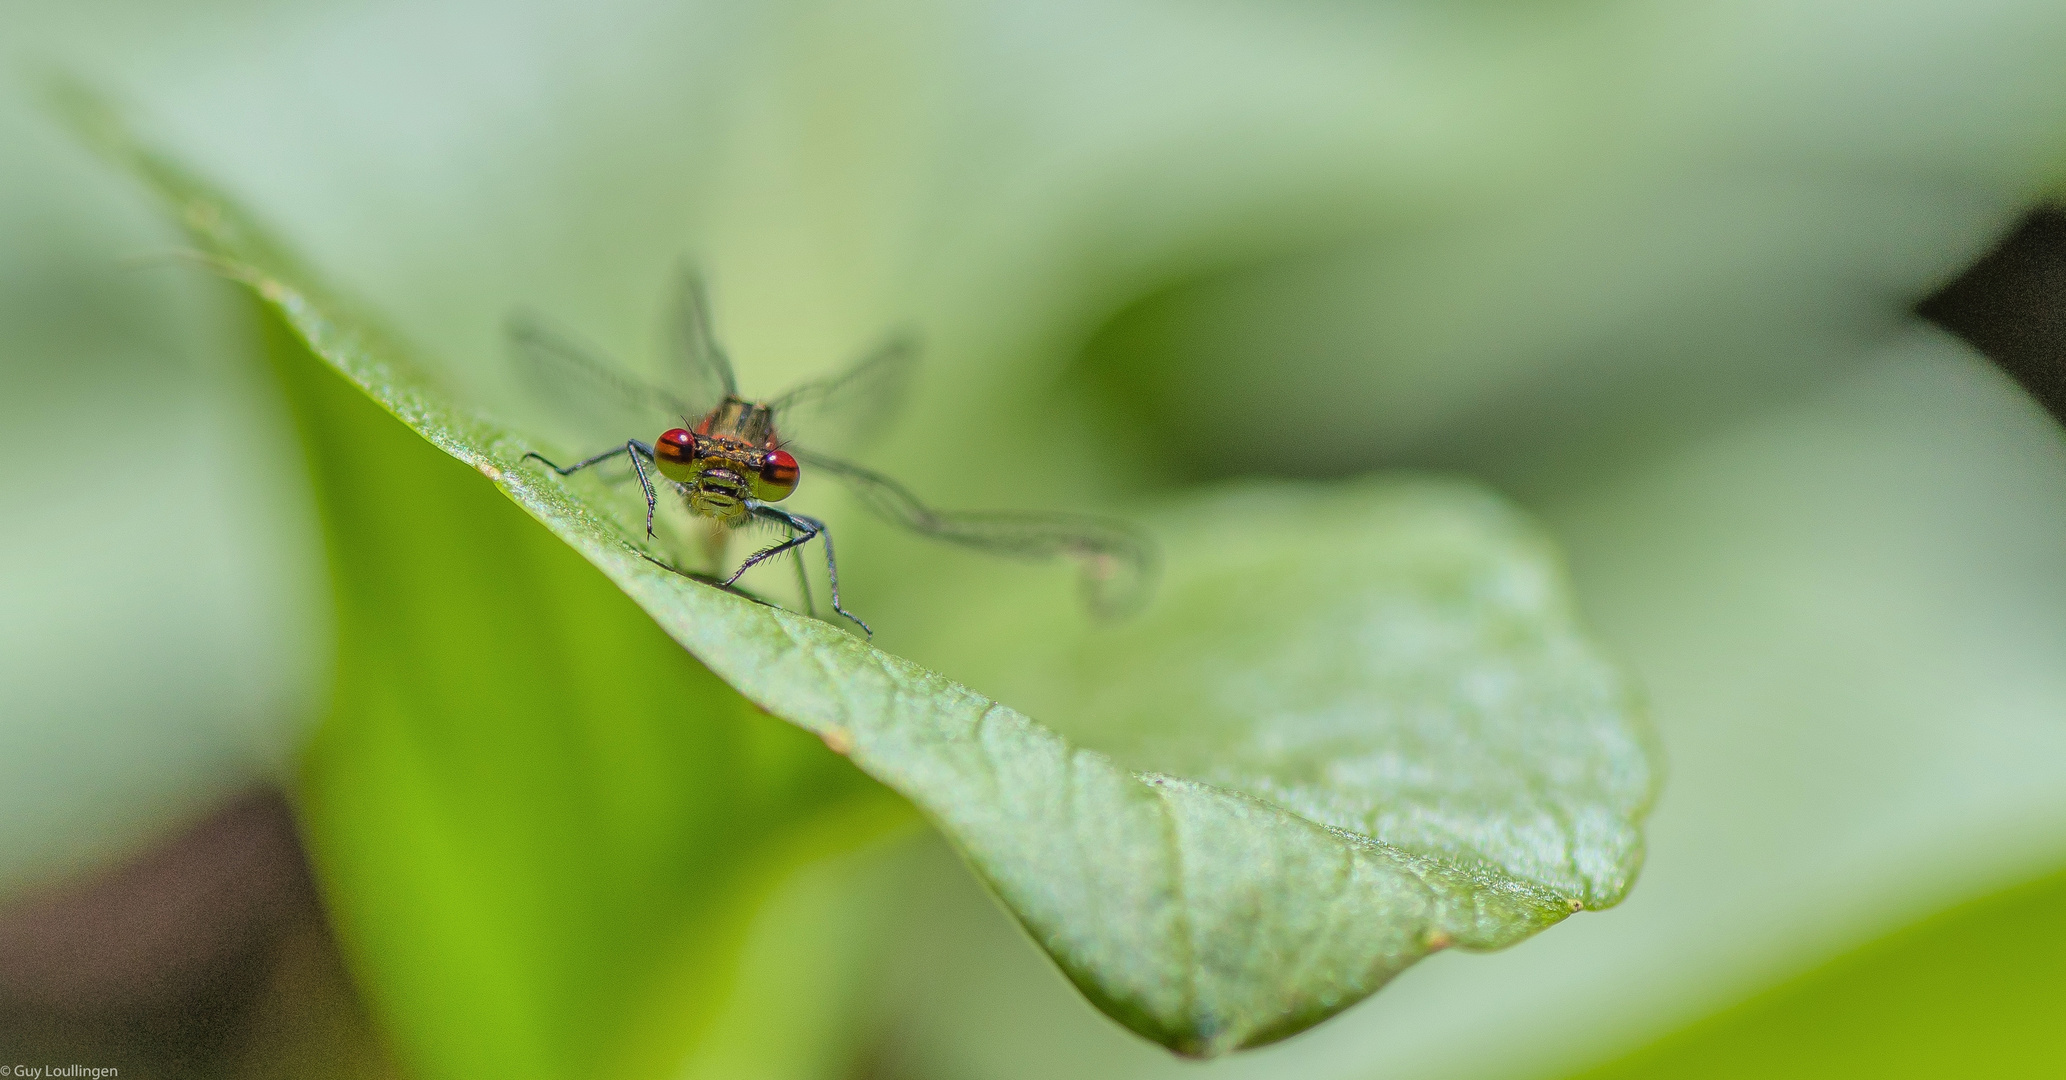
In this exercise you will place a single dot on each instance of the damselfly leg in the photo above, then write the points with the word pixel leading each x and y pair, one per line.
pixel 633 449
pixel 804 530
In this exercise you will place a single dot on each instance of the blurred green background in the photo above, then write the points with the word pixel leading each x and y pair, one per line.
pixel 1646 268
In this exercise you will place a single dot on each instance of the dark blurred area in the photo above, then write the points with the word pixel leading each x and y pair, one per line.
pixel 207 955
pixel 2011 306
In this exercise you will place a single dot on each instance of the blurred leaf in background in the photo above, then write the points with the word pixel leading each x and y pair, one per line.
pixel 156 640
pixel 1645 270
pixel 1970 992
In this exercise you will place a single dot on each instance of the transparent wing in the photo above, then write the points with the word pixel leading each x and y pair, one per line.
pixel 568 375
pixel 700 367
pixel 840 409
pixel 1118 562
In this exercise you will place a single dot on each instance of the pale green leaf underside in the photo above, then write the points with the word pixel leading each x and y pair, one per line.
pixel 1310 772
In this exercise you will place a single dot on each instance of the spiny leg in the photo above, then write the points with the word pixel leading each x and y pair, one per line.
pixel 808 527
pixel 569 470
pixel 818 528
pixel 800 535
pixel 832 575
pixel 633 449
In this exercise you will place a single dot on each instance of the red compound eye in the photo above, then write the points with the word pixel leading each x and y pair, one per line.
pixel 675 453
pixel 777 477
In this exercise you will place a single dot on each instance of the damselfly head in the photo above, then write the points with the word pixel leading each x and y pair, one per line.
pixel 721 473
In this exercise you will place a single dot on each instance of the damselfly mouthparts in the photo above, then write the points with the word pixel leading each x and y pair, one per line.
pixel 728 458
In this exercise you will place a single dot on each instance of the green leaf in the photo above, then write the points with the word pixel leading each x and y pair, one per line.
pixel 1359 725
pixel 1366 730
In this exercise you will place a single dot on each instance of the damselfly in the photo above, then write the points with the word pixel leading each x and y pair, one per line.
pixel 730 460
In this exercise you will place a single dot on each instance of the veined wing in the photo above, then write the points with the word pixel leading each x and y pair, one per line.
pixel 836 410
pixel 1118 562
pixel 568 373
pixel 700 366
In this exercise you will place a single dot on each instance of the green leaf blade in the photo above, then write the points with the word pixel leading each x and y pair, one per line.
pixel 1396 659
pixel 1372 729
